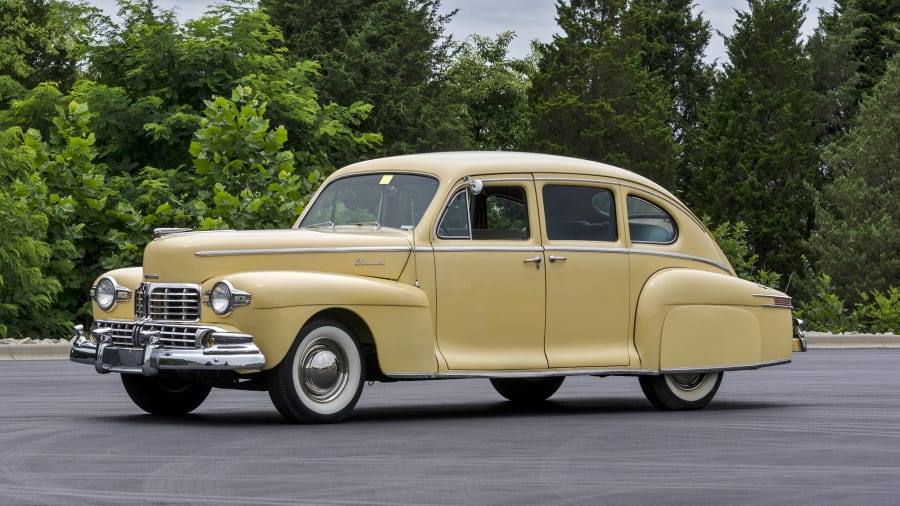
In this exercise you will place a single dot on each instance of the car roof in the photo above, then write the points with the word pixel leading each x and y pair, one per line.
pixel 453 166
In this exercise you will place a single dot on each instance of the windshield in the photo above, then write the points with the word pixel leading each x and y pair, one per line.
pixel 377 200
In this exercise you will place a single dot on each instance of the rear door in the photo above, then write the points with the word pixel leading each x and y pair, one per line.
pixel 587 268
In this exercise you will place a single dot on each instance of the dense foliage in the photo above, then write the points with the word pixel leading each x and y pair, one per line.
pixel 110 127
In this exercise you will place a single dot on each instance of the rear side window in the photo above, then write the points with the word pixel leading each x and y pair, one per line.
pixel 579 213
pixel 648 223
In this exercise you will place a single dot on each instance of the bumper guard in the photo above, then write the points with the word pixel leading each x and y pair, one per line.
pixel 231 352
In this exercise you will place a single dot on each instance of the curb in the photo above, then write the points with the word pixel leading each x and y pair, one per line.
pixel 46 349
pixel 27 349
pixel 823 340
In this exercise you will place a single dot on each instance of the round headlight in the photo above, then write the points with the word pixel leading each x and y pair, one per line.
pixel 220 298
pixel 105 294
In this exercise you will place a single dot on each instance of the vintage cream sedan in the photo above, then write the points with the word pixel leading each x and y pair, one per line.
pixel 519 268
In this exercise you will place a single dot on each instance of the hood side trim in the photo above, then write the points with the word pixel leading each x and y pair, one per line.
pixel 289 251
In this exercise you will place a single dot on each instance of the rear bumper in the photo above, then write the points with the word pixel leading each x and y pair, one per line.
pixel 799 338
pixel 229 351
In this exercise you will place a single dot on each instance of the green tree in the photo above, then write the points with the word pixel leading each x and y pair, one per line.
pixel 758 162
pixel 246 177
pixel 674 42
pixel 594 97
pixel 857 237
pixel 388 53
pixel 45 40
pixel 27 294
pixel 491 92
pixel 849 51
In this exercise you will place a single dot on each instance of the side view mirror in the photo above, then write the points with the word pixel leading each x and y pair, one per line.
pixel 476 186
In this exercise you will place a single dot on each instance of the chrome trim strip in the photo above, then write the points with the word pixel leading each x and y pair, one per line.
pixel 289 251
pixel 777 306
pixel 524 249
pixel 740 367
pixel 578 180
pixel 586 249
pixel 522 374
pixel 680 256
pixel 577 372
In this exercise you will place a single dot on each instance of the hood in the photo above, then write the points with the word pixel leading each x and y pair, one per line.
pixel 195 257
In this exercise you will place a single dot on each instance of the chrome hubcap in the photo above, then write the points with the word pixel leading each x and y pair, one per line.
pixel 687 382
pixel 323 370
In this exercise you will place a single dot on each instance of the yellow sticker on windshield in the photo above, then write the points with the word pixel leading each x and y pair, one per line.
pixel 386 179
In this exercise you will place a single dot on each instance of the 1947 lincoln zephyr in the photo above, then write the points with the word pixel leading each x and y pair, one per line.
pixel 518 268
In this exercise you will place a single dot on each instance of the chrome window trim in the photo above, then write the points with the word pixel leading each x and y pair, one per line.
pixel 523 249
pixel 578 180
pixel 288 251
pixel 446 208
pixel 675 227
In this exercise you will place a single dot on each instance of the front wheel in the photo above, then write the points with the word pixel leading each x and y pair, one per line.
pixel 321 378
pixel 527 390
pixel 165 396
pixel 681 391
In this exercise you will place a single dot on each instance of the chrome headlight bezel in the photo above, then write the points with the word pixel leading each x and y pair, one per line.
pixel 107 293
pixel 223 298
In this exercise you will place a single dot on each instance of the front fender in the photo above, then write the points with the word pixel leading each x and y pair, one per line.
pixel 396 314
pixel 688 319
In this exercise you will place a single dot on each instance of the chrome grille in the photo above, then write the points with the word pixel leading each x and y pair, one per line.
pixel 175 336
pixel 170 336
pixel 168 302
pixel 122 332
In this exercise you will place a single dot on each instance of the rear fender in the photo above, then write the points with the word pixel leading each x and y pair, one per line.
pixel 689 319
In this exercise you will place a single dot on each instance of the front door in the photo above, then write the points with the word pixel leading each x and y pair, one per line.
pixel 490 278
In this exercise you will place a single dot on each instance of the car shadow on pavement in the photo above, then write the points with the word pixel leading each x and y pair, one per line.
pixel 461 410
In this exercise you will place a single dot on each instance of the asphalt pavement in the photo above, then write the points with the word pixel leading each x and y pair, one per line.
pixel 824 429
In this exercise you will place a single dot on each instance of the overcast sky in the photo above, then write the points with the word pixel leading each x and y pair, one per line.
pixel 530 19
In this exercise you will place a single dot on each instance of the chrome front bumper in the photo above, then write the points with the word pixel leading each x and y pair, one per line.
pixel 228 351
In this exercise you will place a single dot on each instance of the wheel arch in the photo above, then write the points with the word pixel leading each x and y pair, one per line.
pixel 360 331
pixel 391 319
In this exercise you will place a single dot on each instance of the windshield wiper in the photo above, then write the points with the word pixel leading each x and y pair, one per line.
pixel 324 224
pixel 373 224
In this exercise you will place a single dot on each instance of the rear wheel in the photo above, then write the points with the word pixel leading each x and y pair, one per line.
pixel 527 390
pixel 681 391
pixel 321 378
pixel 165 396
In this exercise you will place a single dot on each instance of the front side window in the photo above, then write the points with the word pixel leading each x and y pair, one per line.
pixel 379 200
pixel 498 212
pixel 648 223
pixel 579 213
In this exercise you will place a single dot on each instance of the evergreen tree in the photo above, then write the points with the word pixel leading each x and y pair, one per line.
pixel 849 51
pixel 388 53
pixel 595 96
pixel 857 237
pixel 758 162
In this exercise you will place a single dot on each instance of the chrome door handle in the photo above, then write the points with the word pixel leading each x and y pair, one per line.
pixel 554 258
pixel 536 260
